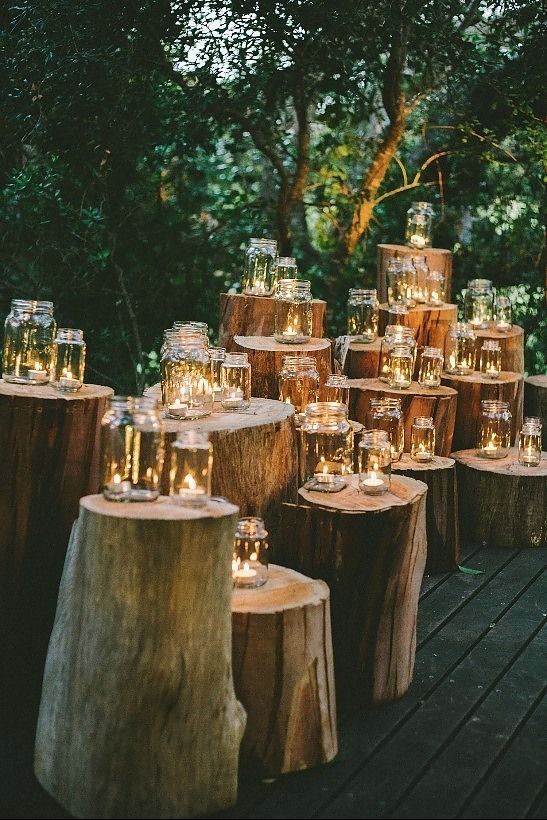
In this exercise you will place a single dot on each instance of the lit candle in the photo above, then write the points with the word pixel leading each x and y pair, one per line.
pixel 233 399
pixel 417 240
pixel 190 491
pixel 37 373
pixel 492 371
pixel 501 325
pixel 491 449
pixel 243 576
pixel 117 486
pixel 372 480
pixel 422 454
pixel 69 382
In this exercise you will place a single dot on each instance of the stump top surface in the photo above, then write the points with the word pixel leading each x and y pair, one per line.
pixel 501 466
pixel 362 347
pixel 46 391
pixel 494 333
pixel 253 297
pixel 415 389
pixel 269 344
pixel 476 377
pixel 538 381
pixel 413 251
pixel 164 509
pixel 285 589
pixel 444 307
pixel 436 463
pixel 403 491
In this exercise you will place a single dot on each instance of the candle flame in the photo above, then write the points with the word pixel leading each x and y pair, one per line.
pixel 189 482
pixel 117 479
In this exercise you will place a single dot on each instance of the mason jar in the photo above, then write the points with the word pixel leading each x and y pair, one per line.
pixel 298 383
pixel 286 268
pixel 478 303
pixel 327 446
pixel 337 389
pixel 28 351
pixel 490 359
pixel 435 285
pixel 259 267
pixel 374 462
pixel 293 311
pixel 131 449
pixel 385 413
pixel 69 360
pixel 363 311
pixel 217 356
pixel 409 273
pixel 191 468
pixel 419 293
pixel 494 439
pixel 250 556
pixel 400 367
pixel 529 453
pixel 235 382
pixel 396 282
pixel 397 314
pixel 187 388
pixel 422 439
pixel 459 349
pixel 395 335
pixel 503 312
pixel 419 223
pixel 431 367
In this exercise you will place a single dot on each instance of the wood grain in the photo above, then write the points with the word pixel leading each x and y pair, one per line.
pixel 437 258
pixel 511 343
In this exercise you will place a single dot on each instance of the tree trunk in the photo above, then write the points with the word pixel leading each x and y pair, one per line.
pixel 535 399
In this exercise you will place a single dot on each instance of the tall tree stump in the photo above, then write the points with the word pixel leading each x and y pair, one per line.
pixel 438 402
pixel 437 258
pixel 138 716
pixel 472 390
pixel 511 344
pixel 371 551
pixel 535 399
pixel 265 356
pixel 443 539
pixel 430 323
pixel 50 449
pixel 501 502
pixel 357 360
pixel 281 632
pixel 242 315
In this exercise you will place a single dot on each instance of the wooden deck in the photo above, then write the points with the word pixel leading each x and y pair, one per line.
pixel 468 739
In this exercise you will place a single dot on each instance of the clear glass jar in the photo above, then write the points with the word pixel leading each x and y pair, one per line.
pixel 400 367
pixel 419 223
pixel 217 355
pixel 396 282
pixel 293 311
pixel 28 351
pixel 431 367
pixel 374 462
pixel 337 389
pixel 363 312
pixel 459 349
pixel 409 273
pixel 132 449
pixel 422 439
pixel 187 389
pixel 478 303
pixel 397 314
pixel 530 445
pixel 298 383
pixel 490 359
pixel 327 446
pixel 191 468
pixel 503 313
pixel 385 413
pixel 535 421
pixel 395 335
pixel 259 267
pixel 419 292
pixel 250 557
pixel 235 380
pixel 494 429
pixel 69 358
pixel 286 268
pixel 435 285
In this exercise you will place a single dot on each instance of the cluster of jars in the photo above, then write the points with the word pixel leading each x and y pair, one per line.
pixel 411 282
pixel 460 351
pixel 36 352
pixel 483 308
pixel 263 268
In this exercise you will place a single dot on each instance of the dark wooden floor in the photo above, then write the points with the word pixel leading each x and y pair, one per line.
pixel 468 740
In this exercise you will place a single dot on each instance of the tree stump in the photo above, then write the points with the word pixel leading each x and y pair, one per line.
pixel 371 551
pixel 357 360
pixel 430 323
pixel 437 258
pixel 50 449
pixel 265 355
pixel 511 343
pixel 501 502
pixel 438 402
pixel 281 632
pixel 472 390
pixel 443 540
pixel 138 716
pixel 535 398
pixel 242 315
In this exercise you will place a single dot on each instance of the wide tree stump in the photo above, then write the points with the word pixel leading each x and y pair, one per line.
pixel 443 540
pixel 371 551
pixel 265 356
pixel 472 390
pixel 438 402
pixel 511 344
pixel 502 503
pixel 437 258
pixel 430 323
pixel 357 360
pixel 138 716
pixel 50 449
pixel 242 315
pixel 281 632
pixel 535 398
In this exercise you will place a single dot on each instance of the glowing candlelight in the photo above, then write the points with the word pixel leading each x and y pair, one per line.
pixel 417 240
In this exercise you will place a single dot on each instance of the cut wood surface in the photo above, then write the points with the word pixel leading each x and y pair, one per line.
pixel 438 259
pixel 430 323
pixel 438 402
pixel 472 390
pixel 443 542
pixel 242 315
pixel 535 399
pixel 141 723
pixel 266 355
pixel 357 360
pixel 511 344
pixel 281 632
pixel 371 551
pixel 502 503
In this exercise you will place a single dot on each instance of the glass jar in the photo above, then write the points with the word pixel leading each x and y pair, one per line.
pixel 385 413
pixel 374 462
pixel 435 285
pixel 478 304
pixel 28 351
pixel 535 421
pixel 235 380
pixel 503 313
pixel 298 383
pixel 259 267
pixel 459 349
pixel 530 445
pixel 191 468
pixel 337 389
pixel 409 273
pixel 400 367
pixel 419 223
pixel 293 311
pixel 431 367
pixel 396 282
pixel 217 355
pixel 250 557
pixel 132 449
pixel 187 389
pixel 490 359
pixel 422 439
pixel 286 268
pixel 327 446
pixel 419 293
pixel 69 358
pixel 395 335
pixel 397 314
pixel 200 327
pixel 494 429
pixel 363 311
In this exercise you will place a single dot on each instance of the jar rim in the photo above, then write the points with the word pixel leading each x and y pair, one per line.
pixel 422 204
pixel 236 358
pixel 423 421
pixel 134 402
pixel 491 344
pixel 336 379
pixel 292 360
pixel 258 240
pixel 32 305
pixel 479 284
pixel 335 408
pixel 251 525
pixel 370 436
pixel 363 291
pixel 69 334
pixel 386 401
pixel 494 404
pixel 433 351
pixel 286 261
